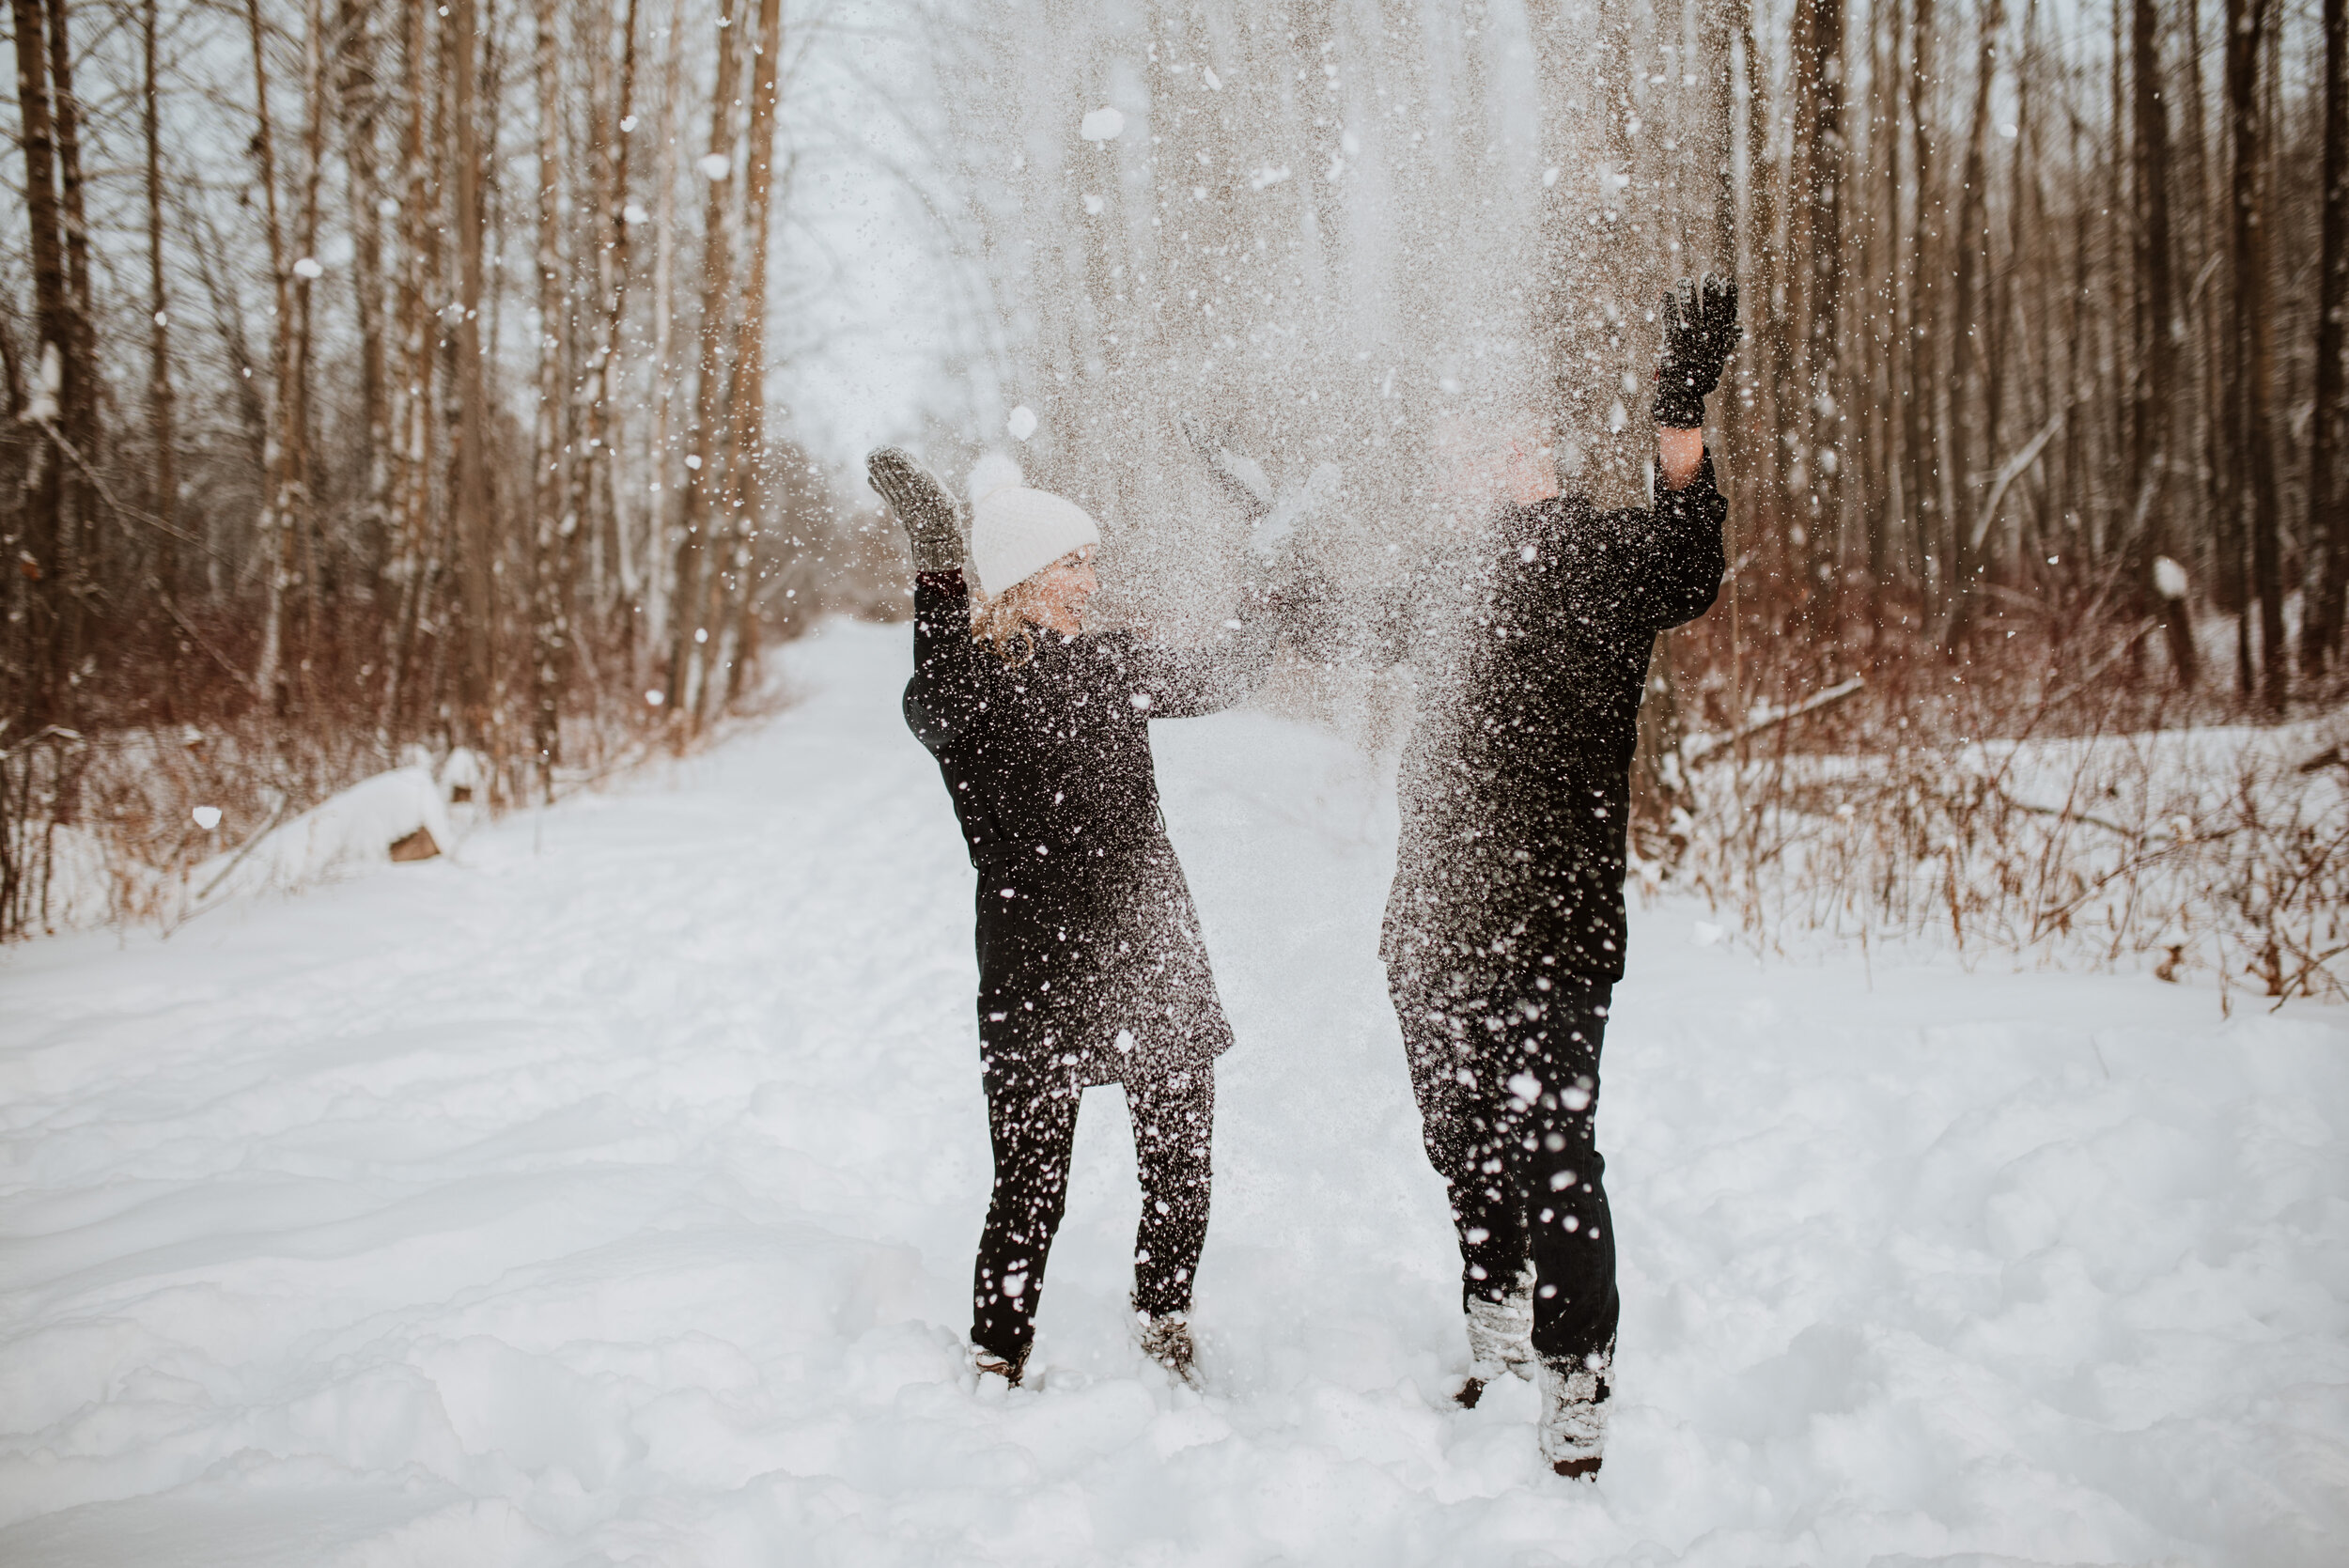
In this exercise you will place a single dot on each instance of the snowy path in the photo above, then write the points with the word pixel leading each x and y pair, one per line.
pixel 608 1198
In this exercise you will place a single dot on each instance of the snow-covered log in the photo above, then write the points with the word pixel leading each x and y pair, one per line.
pixel 393 816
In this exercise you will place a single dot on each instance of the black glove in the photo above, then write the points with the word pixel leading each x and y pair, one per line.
pixel 1700 333
pixel 924 506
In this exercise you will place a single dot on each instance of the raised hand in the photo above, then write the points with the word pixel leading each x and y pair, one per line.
pixel 1700 333
pixel 925 508
pixel 1238 472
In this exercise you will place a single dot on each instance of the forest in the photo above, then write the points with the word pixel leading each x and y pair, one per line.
pixel 388 379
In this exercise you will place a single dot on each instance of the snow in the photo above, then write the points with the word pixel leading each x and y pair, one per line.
pixel 609 1197
pixel 347 831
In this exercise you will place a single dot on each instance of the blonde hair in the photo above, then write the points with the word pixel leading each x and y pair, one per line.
pixel 1009 620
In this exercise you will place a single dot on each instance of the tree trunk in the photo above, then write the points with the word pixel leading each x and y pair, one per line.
pixel 415 394
pixel 360 102
pixel 705 442
pixel 660 601
pixel 318 573
pixel 82 580
pixel 274 531
pixel 1967 365
pixel 746 489
pixel 2157 333
pixel 2251 348
pixel 41 636
pixel 2328 492
pixel 1921 334
pixel 602 492
pixel 551 533
pixel 164 487
pixel 477 552
pixel 1814 244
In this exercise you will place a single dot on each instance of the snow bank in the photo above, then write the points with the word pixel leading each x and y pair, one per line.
pixel 342 834
pixel 610 1199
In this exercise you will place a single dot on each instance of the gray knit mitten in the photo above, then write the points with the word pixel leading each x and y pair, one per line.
pixel 924 506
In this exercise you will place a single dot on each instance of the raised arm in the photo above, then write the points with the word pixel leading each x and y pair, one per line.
pixel 1664 562
pixel 942 694
pixel 1184 683
pixel 1671 554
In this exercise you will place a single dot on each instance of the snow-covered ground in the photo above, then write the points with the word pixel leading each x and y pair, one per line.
pixel 604 1194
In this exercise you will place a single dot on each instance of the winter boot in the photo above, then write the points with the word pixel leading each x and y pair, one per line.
pixel 1500 1339
pixel 989 1364
pixel 1166 1340
pixel 1574 1414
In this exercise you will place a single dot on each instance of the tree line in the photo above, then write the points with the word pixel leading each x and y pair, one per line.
pixel 384 372
pixel 2044 304
pixel 381 372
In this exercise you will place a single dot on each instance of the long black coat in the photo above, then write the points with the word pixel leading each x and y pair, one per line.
pixel 1515 786
pixel 1091 969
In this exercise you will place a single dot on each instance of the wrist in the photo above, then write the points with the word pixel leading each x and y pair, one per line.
pixel 1679 454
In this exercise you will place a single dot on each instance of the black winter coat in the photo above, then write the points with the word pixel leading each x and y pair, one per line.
pixel 1515 784
pixel 1091 968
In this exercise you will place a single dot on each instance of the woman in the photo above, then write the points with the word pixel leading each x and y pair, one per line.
pixel 1091 969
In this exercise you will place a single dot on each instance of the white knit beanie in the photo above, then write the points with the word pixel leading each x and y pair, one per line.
pixel 1015 532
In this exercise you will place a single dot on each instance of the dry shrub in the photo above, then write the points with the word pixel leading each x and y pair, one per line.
pixel 101 830
pixel 2218 850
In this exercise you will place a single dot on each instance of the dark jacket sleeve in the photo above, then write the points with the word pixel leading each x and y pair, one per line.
pixel 1667 559
pixel 1184 683
pixel 942 696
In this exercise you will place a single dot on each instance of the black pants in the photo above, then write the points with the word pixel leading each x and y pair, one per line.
pixel 1033 1127
pixel 1506 1071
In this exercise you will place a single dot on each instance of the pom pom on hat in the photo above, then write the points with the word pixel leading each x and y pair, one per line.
pixel 992 473
pixel 1016 532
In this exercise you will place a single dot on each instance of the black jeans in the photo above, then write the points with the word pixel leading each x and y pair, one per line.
pixel 1033 1127
pixel 1505 1067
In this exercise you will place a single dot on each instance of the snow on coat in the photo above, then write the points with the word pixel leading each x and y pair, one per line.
pixel 1515 786
pixel 1090 961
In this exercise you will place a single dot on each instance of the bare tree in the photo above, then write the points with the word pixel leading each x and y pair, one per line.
pixel 470 499
pixel 163 489
pixel 551 529
pixel 2251 343
pixel 2328 485
pixel 45 635
pixel 706 453
pixel 2151 403
pixel 281 485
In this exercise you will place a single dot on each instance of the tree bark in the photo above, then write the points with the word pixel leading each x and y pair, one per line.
pixel 274 531
pixel 602 508
pixel 1814 244
pixel 2251 346
pixel 1966 361
pixel 359 101
pixel 2329 489
pixel 164 487
pixel 550 529
pixel 470 501
pixel 660 548
pixel 705 442
pixel 41 636
pixel 2157 333
pixel 746 489
pixel 414 394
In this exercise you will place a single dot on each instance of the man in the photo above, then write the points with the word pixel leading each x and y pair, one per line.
pixel 1504 929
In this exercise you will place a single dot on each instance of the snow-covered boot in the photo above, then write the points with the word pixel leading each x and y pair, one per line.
pixel 1166 1340
pixel 989 1364
pixel 1500 1339
pixel 1574 1414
